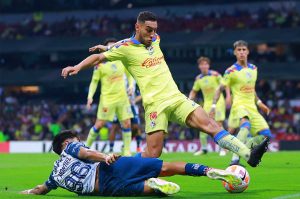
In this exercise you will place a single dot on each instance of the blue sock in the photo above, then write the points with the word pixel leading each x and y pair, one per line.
pixel 95 129
pixel 220 135
pixel 138 155
pixel 192 169
pixel 138 140
pixel 111 145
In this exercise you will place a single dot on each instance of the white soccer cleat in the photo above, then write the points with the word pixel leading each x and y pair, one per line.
pixel 165 150
pixel 229 177
pixel 222 152
pixel 163 186
pixel 201 152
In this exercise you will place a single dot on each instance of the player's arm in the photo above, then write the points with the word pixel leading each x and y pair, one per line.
pixel 38 190
pixel 95 156
pixel 92 88
pixel 218 92
pixel 193 94
pixel 261 105
pixel 138 99
pixel 102 48
pixel 89 62
pixel 228 97
pixel 131 87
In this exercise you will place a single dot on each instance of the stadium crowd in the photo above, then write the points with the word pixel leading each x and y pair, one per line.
pixel 172 22
pixel 39 120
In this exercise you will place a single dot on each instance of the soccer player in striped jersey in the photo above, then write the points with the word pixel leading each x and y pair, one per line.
pixel 241 78
pixel 162 100
pixel 88 172
pixel 113 99
pixel 208 82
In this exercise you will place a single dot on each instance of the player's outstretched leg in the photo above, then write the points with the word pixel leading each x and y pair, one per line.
pixel 192 169
pixel 199 119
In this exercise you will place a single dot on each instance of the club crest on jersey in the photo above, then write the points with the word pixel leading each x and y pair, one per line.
pixel 104 110
pixel 114 67
pixel 248 75
pixel 150 50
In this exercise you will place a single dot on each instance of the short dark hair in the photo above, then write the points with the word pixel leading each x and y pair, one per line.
pixel 146 16
pixel 203 59
pixel 60 138
pixel 109 40
pixel 240 43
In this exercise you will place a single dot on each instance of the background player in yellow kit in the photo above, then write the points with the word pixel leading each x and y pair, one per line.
pixel 208 82
pixel 241 78
pixel 162 100
pixel 113 99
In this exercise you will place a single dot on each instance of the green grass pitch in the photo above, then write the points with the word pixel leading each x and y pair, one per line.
pixel 276 177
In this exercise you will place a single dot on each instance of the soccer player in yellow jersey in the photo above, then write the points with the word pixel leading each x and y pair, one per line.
pixel 113 99
pixel 241 78
pixel 208 82
pixel 163 102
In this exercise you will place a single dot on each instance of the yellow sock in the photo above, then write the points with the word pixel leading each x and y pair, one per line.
pixel 126 134
pixel 93 133
pixel 242 136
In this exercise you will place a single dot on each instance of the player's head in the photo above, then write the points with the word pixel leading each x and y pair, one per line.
pixel 110 41
pixel 203 64
pixel 241 50
pixel 145 27
pixel 61 140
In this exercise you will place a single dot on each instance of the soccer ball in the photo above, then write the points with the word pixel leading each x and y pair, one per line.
pixel 243 174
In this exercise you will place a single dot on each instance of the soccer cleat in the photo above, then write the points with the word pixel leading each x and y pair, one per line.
pixel 236 162
pixel 229 177
pixel 165 150
pixel 222 152
pixel 163 186
pixel 257 152
pixel 138 149
pixel 203 152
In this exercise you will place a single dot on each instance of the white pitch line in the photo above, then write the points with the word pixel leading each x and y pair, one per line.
pixel 288 196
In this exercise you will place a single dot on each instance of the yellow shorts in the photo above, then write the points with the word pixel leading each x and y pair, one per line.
pixel 176 109
pixel 258 123
pixel 121 109
pixel 220 109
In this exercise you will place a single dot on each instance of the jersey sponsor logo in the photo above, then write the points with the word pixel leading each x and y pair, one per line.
pixel 150 62
pixel 247 89
pixel 115 78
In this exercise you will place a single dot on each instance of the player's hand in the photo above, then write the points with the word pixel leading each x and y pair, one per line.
pixel 100 48
pixel 111 158
pixel 130 91
pixel 28 191
pixel 212 113
pixel 89 104
pixel 70 70
pixel 264 108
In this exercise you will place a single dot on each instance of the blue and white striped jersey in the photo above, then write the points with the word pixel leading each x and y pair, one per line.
pixel 72 173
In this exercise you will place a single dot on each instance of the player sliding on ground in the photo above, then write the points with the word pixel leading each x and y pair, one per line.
pixel 88 172
pixel 241 78
pixel 162 100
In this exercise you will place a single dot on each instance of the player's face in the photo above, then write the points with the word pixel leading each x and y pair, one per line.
pixel 204 67
pixel 146 31
pixel 241 53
